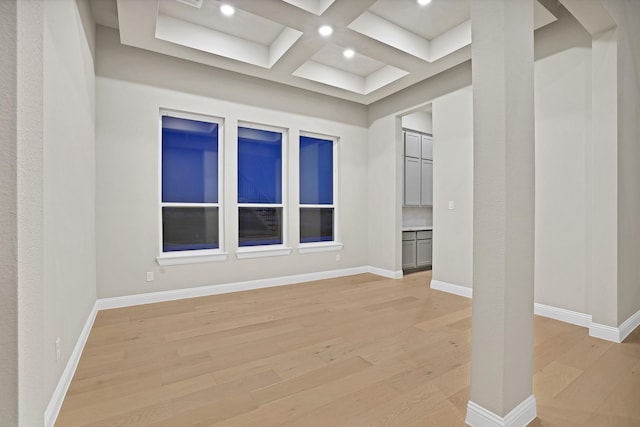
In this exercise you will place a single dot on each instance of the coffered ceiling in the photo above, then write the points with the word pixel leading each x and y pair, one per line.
pixel 395 43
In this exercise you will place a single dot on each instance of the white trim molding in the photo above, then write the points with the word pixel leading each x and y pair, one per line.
pixel 520 416
pixel 184 257
pixel 463 291
pixel 307 248
pixel 614 334
pixel 390 274
pixel 262 251
pixel 176 294
pixel 55 404
pixel 604 332
pixel 567 316
pixel 629 325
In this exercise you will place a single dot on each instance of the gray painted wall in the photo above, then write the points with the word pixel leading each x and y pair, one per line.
pixel 563 110
pixel 127 196
pixel 30 64
pixel 453 181
pixel 8 218
pixel 627 16
pixel 384 203
pixel 69 277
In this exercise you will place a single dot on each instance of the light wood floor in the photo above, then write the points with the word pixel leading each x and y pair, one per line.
pixel 356 351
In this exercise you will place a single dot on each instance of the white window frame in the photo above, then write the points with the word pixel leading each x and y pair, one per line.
pixel 259 251
pixel 199 255
pixel 335 244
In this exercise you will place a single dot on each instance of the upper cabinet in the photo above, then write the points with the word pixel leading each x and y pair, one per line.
pixel 426 144
pixel 418 169
pixel 412 144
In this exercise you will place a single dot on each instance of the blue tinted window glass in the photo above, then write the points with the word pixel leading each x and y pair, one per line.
pixel 189 228
pixel 316 225
pixel 316 171
pixel 259 166
pixel 260 226
pixel 189 161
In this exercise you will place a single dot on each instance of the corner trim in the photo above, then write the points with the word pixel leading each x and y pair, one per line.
pixel 629 325
pixel 390 274
pixel 613 334
pixel 463 291
pixel 520 416
pixel 563 315
pixel 55 404
pixel 604 332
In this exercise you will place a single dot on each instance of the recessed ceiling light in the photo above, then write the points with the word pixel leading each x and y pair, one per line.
pixel 227 10
pixel 424 2
pixel 348 53
pixel 325 30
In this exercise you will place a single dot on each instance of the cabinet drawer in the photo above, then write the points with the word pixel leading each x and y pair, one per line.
pixel 426 234
pixel 408 235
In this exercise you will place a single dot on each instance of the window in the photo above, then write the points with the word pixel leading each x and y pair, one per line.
pixel 260 187
pixel 317 189
pixel 190 206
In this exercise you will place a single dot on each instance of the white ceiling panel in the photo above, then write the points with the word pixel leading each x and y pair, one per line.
pixel 427 21
pixel 397 42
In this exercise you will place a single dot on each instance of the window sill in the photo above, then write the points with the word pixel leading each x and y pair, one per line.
pixel 190 257
pixel 307 248
pixel 262 251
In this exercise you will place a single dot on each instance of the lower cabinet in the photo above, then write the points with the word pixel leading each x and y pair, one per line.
pixel 416 249
pixel 409 259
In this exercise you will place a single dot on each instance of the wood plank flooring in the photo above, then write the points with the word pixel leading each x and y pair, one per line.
pixel 355 351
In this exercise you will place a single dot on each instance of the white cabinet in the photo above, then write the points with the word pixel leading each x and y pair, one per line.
pixel 412 187
pixel 426 183
pixel 418 169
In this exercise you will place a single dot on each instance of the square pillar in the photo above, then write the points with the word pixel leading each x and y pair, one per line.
pixel 503 235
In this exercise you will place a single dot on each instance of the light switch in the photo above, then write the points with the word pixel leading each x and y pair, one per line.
pixel 451 205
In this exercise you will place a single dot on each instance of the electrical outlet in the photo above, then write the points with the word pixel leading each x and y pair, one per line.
pixel 58 349
pixel 337 257
pixel 451 205
pixel 149 276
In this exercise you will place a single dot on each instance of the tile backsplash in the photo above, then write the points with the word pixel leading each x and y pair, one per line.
pixel 417 217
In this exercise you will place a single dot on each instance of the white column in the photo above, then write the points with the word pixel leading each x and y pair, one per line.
pixel 503 234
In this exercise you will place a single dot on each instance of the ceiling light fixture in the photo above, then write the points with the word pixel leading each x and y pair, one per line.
pixel 348 53
pixel 424 2
pixel 227 10
pixel 325 30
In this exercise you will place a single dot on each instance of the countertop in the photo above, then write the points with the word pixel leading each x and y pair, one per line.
pixel 418 228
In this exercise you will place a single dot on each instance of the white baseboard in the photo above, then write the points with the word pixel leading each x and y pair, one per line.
pixel 520 416
pixel 163 296
pixel 629 325
pixel 385 273
pixel 463 291
pixel 613 334
pixel 604 332
pixel 567 316
pixel 55 403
